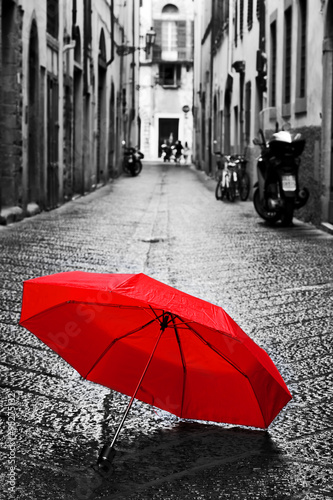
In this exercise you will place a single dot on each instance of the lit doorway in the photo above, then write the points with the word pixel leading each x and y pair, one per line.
pixel 167 130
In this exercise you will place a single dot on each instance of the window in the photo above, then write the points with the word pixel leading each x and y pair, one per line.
pixel 220 19
pixel 248 97
pixel 287 56
pixel 170 75
pixel 169 40
pixel 250 15
pixel 241 18
pixel 52 18
pixel 174 39
pixel 302 50
pixel 258 9
pixel 170 9
pixel 236 24
pixel 273 64
pixel 300 105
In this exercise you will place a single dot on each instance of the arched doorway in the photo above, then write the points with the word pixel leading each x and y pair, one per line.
pixel 34 174
pixel 327 122
pixel 101 111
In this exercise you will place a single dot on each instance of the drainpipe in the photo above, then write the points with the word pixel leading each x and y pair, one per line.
pixel 211 69
pixel 132 116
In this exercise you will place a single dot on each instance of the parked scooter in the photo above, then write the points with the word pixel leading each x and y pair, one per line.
pixel 277 192
pixel 132 160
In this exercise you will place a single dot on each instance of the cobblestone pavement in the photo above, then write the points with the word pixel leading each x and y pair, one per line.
pixel 276 283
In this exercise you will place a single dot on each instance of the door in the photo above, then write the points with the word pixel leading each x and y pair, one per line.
pixel 33 118
pixel 167 131
pixel 52 142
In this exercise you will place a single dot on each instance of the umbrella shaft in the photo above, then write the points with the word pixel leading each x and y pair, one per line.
pixel 136 390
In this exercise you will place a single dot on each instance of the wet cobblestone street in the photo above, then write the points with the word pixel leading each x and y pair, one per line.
pixel 276 283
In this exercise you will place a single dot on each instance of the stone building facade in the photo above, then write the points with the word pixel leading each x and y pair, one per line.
pixel 166 75
pixel 251 55
pixel 67 99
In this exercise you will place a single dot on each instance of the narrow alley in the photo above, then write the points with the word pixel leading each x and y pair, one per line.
pixel 276 283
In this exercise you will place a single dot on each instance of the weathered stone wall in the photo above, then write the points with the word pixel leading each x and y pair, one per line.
pixel 310 174
pixel 11 105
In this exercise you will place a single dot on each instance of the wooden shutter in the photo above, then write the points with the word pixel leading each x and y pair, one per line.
pixel 157 47
pixel 181 40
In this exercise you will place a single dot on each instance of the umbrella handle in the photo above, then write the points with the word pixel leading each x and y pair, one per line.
pixel 107 454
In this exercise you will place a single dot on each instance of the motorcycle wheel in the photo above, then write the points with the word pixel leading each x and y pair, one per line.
pixel 136 169
pixel 244 187
pixel 219 191
pixel 271 216
pixel 288 212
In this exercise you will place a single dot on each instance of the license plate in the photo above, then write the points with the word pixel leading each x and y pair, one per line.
pixel 289 183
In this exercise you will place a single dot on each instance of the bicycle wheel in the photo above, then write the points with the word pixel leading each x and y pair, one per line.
pixel 219 191
pixel 231 190
pixel 244 186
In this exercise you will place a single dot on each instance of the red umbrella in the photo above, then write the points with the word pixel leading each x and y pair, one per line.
pixel 148 340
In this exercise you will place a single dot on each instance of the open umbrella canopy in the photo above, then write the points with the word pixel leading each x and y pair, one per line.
pixel 108 325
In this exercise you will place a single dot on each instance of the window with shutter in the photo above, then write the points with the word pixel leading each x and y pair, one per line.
pixel 174 37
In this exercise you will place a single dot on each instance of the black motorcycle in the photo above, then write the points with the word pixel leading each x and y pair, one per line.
pixel 132 160
pixel 277 193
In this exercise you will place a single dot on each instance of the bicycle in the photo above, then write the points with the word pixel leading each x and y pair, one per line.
pixel 227 178
pixel 233 180
pixel 243 177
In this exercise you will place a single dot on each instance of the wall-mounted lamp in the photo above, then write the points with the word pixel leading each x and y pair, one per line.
pixel 150 39
pixel 124 50
pixel 239 66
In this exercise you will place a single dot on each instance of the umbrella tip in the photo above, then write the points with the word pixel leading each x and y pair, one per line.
pixel 105 459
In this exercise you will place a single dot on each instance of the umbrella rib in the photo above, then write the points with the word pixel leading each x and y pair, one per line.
pixel 214 349
pixel 116 340
pixel 183 363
